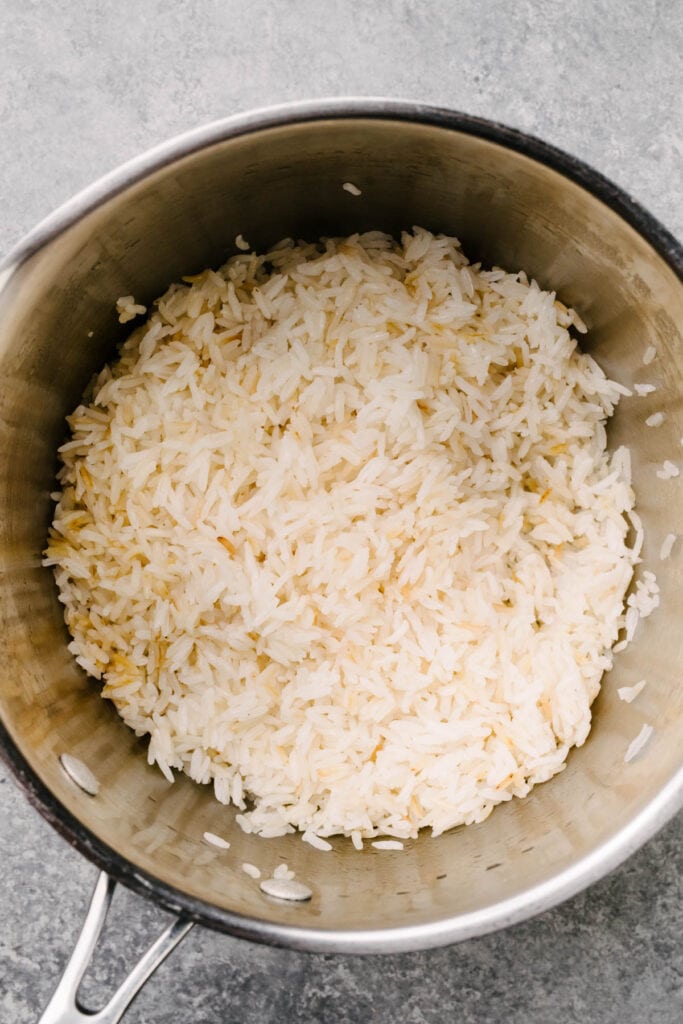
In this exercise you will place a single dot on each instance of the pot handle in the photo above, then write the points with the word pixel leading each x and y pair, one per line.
pixel 64 1007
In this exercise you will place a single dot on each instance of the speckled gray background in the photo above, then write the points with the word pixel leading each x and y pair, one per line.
pixel 83 86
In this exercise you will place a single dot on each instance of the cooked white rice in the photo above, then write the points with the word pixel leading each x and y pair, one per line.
pixel 283 871
pixel 340 532
pixel 636 745
pixel 127 309
pixel 316 841
pixel 668 471
pixel 667 546
pixel 629 693
pixel 213 840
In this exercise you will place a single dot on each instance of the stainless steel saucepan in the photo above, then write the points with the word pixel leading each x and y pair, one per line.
pixel 511 200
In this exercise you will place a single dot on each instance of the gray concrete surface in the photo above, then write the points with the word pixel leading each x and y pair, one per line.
pixel 85 85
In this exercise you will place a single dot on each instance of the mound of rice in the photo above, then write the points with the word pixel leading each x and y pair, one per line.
pixel 339 530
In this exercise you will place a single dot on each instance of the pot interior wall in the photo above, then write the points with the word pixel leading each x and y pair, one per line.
pixel 287 181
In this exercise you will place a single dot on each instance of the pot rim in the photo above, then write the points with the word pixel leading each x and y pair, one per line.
pixel 589 868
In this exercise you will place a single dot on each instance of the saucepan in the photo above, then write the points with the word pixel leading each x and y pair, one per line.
pixel 513 201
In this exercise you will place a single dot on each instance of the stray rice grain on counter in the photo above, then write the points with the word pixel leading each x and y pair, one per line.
pixel 339 531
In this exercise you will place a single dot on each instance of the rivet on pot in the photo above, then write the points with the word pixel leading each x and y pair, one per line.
pixel 285 889
pixel 79 773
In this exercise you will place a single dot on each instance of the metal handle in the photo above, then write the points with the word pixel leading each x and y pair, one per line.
pixel 64 1007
